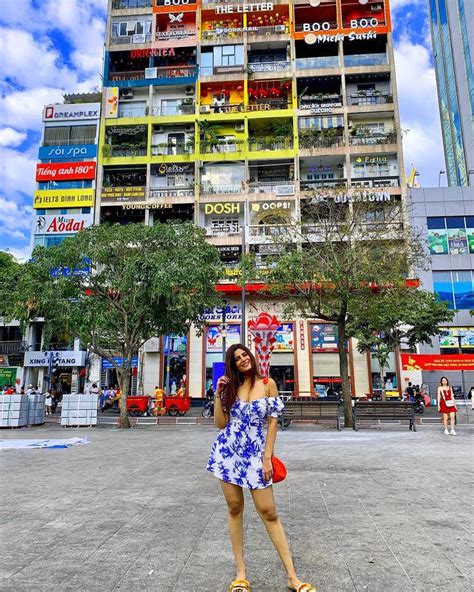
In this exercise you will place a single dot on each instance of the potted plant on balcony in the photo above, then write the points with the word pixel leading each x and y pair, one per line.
pixel 106 150
pixel 208 136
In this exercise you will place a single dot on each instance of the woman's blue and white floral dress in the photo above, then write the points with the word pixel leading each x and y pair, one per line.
pixel 237 454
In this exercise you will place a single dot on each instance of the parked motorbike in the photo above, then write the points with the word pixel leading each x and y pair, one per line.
pixel 419 406
pixel 208 409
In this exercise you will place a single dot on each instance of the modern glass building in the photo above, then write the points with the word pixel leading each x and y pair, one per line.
pixel 452 27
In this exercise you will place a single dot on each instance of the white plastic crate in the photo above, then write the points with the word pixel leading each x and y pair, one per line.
pixel 78 410
pixel 13 411
pixel 36 409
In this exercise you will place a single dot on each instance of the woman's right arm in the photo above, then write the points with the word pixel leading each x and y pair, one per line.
pixel 221 418
pixel 439 397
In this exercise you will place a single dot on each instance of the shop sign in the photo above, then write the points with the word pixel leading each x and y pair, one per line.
pixel 437 362
pixel 229 253
pixel 318 108
pixel 326 26
pixel 60 358
pixel 62 152
pixel 62 224
pixel 285 190
pixel 4 360
pixel 106 364
pixel 111 102
pixel 233 312
pixel 67 198
pixel 7 376
pixel 453 337
pixel 72 171
pixel 175 169
pixel 371 159
pixel 324 196
pixel 122 130
pixel 111 194
pixel 174 2
pixel 284 341
pixel 153 52
pixel 311 38
pixel 214 342
pixel 71 112
pixel 148 205
pixel 244 8
pixel 324 338
pixel 222 208
pixel 270 206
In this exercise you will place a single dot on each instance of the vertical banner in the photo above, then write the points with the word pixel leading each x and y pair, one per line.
pixel 111 102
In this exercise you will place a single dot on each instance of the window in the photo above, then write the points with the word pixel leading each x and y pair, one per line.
pixel 66 135
pixel 134 30
pixel 455 288
pixel 452 235
pixel 65 185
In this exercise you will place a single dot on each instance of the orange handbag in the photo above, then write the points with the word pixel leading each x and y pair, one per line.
pixel 279 470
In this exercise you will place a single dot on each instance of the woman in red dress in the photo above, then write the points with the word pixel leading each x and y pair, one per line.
pixel 446 405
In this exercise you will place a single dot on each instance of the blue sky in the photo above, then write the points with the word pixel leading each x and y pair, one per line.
pixel 53 46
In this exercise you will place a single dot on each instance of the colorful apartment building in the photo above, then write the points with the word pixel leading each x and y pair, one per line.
pixel 234 116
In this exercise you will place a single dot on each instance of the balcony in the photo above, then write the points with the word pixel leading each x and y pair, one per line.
pixel 13 347
pixel 131 110
pixel 178 35
pixel 219 33
pixel 366 59
pixel 155 73
pixel 269 231
pixel 258 144
pixel 383 181
pixel 317 63
pixel 321 103
pixel 311 140
pixel 183 108
pixel 172 149
pixel 279 188
pixel 263 67
pixel 163 192
pixel 130 39
pixel 127 4
pixel 227 107
pixel 69 142
pixel 373 139
pixel 209 189
pixel 123 150
pixel 222 147
pixel 314 185
pixel 222 70
pixel 367 99
pixel 268 105
pixel 266 31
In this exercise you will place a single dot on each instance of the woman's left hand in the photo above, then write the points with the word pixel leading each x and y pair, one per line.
pixel 267 469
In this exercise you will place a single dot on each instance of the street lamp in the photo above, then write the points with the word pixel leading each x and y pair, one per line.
pixel 439 177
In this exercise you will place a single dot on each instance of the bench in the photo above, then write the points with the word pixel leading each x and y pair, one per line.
pixel 384 410
pixel 309 408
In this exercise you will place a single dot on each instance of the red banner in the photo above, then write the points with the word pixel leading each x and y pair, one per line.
pixel 439 362
pixel 65 171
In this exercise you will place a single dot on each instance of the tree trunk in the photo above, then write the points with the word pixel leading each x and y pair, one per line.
pixel 124 382
pixel 344 371
pixel 382 383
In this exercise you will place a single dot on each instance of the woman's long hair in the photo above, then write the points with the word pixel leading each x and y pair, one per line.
pixel 235 377
pixel 441 381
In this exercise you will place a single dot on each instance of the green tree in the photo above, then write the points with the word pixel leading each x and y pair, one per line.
pixel 9 272
pixel 116 286
pixel 342 263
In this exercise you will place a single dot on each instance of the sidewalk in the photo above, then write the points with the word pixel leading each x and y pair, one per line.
pixel 381 511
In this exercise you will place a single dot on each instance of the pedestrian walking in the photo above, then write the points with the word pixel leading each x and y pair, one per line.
pixel 241 457
pixel 48 401
pixel 472 397
pixel 446 405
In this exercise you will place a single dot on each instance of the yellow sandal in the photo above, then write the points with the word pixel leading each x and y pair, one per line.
pixel 304 588
pixel 239 586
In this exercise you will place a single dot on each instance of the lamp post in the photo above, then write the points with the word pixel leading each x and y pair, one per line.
pixel 243 298
pixel 439 177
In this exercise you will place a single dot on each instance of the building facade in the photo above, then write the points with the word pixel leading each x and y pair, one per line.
pixel 446 218
pixel 234 116
pixel 452 28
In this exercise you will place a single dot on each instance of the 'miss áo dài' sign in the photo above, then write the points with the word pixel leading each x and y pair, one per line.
pixel 62 224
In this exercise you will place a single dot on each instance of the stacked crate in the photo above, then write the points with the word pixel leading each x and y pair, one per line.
pixel 13 411
pixel 36 409
pixel 79 410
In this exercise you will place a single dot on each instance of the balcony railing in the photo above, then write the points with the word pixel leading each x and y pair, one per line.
pixel 373 139
pixel 230 107
pixel 277 187
pixel 118 151
pixel 279 66
pixel 69 142
pixel 268 105
pixel 269 230
pixel 177 35
pixel 209 189
pixel 130 39
pixel 317 63
pixel 171 192
pixel 179 109
pixel 322 142
pixel 223 32
pixel 370 99
pixel 366 59
pixel 330 101
pixel 172 149
pixel 222 147
pixel 126 4
pixel 266 31
pixel 13 347
pixel 382 181
pixel 323 184
pixel 256 144
pixel 155 73
pixel 130 110
pixel 219 70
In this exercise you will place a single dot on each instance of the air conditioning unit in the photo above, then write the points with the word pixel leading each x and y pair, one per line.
pixel 126 93
pixel 152 345
pixel 376 7
pixel 205 109
pixel 151 72
pixel 189 128
pixel 189 90
pixel 240 127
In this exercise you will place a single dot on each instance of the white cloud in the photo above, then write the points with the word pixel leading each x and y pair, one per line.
pixel 20 253
pixel 23 109
pixel 18 171
pixel 10 137
pixel 15 224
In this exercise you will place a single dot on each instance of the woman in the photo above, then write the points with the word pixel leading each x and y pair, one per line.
pixel 446 405
pixel 241 457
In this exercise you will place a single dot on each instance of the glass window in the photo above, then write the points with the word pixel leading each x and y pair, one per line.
pixel 463 290
pixel 443 287
pixel 51 241
pixel 86 210
pixel 437 236
pixel 457 237
pixel 470 233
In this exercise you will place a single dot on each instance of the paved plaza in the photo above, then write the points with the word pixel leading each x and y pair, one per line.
pixel 379 510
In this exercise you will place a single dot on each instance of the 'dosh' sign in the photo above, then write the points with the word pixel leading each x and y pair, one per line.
pixel 71 112
pixel 62 224
pixel 70 171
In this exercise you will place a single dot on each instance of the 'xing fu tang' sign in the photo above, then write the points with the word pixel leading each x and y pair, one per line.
pixel 361 196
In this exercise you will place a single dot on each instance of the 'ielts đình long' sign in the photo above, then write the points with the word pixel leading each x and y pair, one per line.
pixel 437 362
pixel 65 171
pixel 66 198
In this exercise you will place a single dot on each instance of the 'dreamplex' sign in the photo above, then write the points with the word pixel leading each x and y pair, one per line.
pixel 351 197
pixel 59 358
pixel 71 112
pixel 62 224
